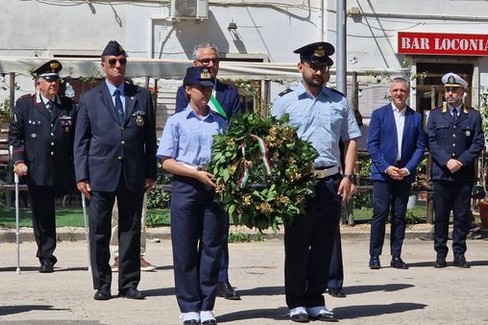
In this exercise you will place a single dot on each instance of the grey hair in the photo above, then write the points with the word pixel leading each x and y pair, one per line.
pixel 204 45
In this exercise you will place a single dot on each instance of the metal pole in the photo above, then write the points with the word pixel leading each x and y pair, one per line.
pixel 17 215
pixel 87 230
pixel 341 70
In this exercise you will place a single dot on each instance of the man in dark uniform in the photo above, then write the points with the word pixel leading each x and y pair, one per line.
pixel 225 101
pixel 41 134
pixel 323 117
pixel 455 140
pixel 115 156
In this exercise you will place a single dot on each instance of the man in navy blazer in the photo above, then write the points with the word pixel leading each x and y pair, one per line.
pixel 396 143
pixel 225 101
pixel 115 156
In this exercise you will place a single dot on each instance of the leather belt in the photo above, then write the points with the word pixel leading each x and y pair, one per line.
pixel 323 173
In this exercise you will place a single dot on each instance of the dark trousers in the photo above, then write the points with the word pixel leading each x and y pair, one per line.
pixel 455 197
pixel 43 199
pixel 390 197
pixel 100 221
pixel 336 269
pixel 224 261
pixel 309 242
pixel 197 228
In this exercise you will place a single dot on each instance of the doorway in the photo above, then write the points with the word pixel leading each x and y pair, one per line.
pixel 430 90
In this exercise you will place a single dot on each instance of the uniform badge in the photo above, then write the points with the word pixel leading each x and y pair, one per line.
pixel 319 52
pixel 467 133
pixel 139 120
pixel 451 80
pixel 205 74
pixel 33 135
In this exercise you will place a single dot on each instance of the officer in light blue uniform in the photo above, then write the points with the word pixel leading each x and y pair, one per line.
pixel 455 139
pixel 322 116
pixel 197 219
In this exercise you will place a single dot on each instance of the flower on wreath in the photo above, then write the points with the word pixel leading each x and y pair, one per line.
pixel 263 171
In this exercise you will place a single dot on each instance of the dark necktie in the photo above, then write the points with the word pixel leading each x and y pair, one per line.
pixel 119 109
pixel 454 114
pixel 50 106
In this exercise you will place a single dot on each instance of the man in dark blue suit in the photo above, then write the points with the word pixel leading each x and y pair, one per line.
pixel 225 101
pixel 41 134
pixel 396 143
pixel 115 156
pixel 455 140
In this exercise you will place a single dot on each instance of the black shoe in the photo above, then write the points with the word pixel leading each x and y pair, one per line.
pixel 325 317
pixel 337 293
pixel 398 263
pixel 440 262
pixel 300 318
pixel 374 262
pixel 191 322
pixel 102 294
pixel 132 293
pixel 209 322
pixel 225 290
pixel 46 266
pixel 460 261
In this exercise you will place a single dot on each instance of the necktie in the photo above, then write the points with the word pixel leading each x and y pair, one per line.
pixel 119 109
pixel 454 115
pixel 49 106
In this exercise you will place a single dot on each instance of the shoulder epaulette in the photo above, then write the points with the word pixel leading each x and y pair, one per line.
pixel 284 92
pixel 337 91
pixel 26 96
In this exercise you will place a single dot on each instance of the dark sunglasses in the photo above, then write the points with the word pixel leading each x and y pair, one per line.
pixel 207 61
pixel 112 62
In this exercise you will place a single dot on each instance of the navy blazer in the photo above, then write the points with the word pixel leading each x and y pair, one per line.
pixel 383 143
pixel 227 96
pixel 102 147
pixel 44 141
pixel 462 140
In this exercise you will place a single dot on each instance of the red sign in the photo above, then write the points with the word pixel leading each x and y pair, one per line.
pixel 442 44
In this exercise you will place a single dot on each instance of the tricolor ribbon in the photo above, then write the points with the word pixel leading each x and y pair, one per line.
pixel 263 149
pixel 216 107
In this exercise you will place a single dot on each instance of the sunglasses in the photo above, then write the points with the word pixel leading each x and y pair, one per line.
pixel 207 61
pixel 112 62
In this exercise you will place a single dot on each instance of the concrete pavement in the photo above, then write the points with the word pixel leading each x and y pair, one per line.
pixel 419 295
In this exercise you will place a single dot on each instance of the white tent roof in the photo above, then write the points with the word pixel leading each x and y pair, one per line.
pixel 154 68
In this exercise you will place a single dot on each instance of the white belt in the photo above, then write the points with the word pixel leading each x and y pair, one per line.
pixel 193 167
pixel 323 173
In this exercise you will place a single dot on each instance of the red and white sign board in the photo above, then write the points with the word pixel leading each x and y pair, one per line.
pixel 442 44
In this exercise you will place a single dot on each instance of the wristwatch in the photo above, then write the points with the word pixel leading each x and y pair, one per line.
pixel 352 178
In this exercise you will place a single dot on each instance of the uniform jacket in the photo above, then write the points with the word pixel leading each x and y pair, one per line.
pixel 44 140
pixel 226 95
pixel 462 140
pixel 383 142
pixel 104 150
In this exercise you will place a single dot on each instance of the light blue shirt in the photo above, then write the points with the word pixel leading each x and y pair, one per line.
pixel 322 121
pixel 188 138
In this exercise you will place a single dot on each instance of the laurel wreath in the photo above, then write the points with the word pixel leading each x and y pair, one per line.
pixel 263 171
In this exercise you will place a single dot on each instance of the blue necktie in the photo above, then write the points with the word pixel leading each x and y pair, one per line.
pixel 454 115
pixel 119 108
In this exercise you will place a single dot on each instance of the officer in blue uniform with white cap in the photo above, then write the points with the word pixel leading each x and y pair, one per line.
pixel 323 117
pixel 41 134
pixel 455 139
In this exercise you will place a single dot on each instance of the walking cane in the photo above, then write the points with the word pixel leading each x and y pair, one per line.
pixel 17 232
pixel 87 230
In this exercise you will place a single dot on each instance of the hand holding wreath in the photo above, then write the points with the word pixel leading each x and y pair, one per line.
pixel 262 171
